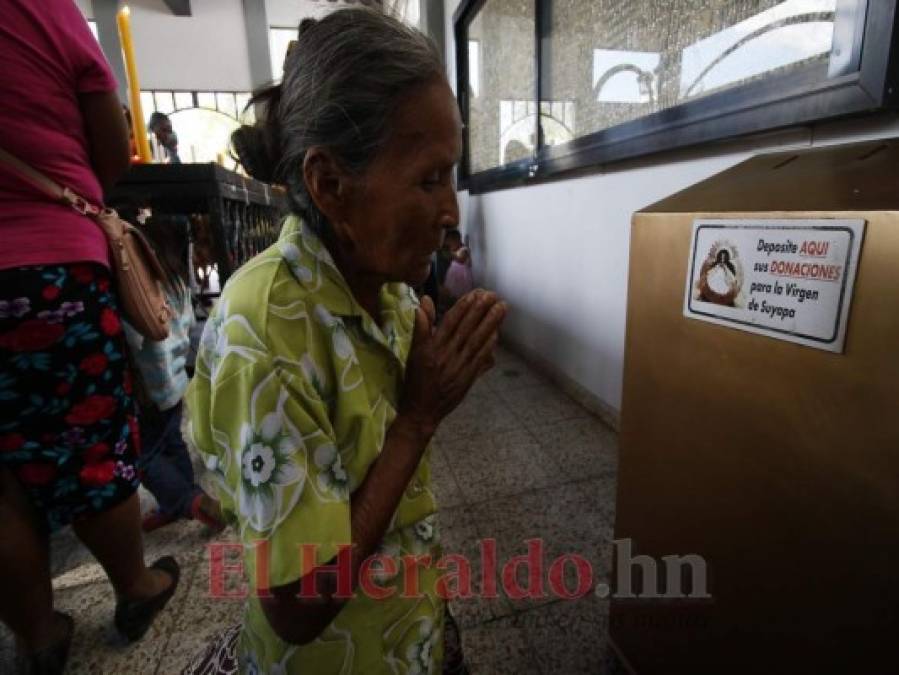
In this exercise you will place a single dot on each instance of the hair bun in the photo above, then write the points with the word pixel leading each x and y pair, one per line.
pixel 305 25
pixel 258 147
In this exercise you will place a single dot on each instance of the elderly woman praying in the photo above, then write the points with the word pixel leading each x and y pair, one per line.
pixel 321 379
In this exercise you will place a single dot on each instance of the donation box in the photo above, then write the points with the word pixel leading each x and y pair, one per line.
pixel 758 488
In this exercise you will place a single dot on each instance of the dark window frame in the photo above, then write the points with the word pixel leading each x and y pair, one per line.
pixel 784 100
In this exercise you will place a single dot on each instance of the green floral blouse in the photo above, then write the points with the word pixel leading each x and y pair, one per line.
pixel 295 387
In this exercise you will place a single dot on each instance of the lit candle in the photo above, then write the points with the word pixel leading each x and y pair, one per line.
pixel 123 18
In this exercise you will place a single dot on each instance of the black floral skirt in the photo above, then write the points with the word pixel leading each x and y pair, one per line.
pixel 67 427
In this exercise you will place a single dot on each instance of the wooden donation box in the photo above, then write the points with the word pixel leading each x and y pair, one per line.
pixel 760 421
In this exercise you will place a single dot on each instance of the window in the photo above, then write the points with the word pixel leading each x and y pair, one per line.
pixel 280 37
pixel 202 120
pixel 621 78
pixel 279 40
pixel 502 116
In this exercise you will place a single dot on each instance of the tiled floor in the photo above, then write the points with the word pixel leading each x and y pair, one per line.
pixel 517 461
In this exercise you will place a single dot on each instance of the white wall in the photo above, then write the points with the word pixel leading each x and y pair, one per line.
pixel 289 13
pixel 206 51
pixel 558 252
pixel 86 7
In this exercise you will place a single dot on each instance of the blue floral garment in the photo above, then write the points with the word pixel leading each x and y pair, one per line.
pixel 67 426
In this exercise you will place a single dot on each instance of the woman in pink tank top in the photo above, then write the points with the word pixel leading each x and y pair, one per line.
pixel 68 434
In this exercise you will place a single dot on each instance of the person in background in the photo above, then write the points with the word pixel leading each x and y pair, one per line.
pixel 68 434
pixel 458 280
pixel 167 469
pixel 161 126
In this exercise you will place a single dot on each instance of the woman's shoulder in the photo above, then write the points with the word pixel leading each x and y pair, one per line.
pixel 267 300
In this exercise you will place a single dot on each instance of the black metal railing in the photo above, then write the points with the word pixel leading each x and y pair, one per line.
pixel 231 217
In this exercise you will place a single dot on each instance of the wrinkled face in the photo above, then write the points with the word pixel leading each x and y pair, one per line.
pixel 406 198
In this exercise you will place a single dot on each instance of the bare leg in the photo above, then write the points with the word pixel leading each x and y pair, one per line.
pixel 114 539
pixel 26 596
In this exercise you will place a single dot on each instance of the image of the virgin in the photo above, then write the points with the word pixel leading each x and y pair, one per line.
pixel 718 279
pixel 723 259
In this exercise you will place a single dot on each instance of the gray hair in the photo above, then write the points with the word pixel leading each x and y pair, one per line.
pixel 342 82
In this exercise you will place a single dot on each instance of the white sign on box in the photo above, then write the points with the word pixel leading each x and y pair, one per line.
pixel 789 279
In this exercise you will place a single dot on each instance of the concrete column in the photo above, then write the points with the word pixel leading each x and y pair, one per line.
pixel 108 34
pixel 433 22
pixel 256 24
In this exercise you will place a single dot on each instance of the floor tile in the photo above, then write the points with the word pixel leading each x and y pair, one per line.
pixel 460 536
pixel 498 465
pixel 564 520
pixel 539 405
pixel 580 448
pixel 443 480
pixel 97 648
pixel 480 413
pixel 201 621
pixel 511 371
pixel 568 636
pixel 498 648
pixel 186 540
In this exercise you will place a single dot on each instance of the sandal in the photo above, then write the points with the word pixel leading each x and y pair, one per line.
pixel 50 660
pixel 134 617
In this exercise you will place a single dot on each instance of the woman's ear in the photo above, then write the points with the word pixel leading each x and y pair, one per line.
pixel 332 190
pixel 323 180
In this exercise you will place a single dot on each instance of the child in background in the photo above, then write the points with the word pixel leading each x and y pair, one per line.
pixel 167 469
pixel 458 279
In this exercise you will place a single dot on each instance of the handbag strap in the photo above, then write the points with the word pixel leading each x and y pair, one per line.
pixel 46 185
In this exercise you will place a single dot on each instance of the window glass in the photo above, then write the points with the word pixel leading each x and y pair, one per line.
pixel 206 99
pixel 409 11
pixel 203 135
pixel 183 99
pixel 244 114
pixel 226 103
pixel 148 104
pixel 502 96
pixel 279 40
pixel 613 62
pixel 165 102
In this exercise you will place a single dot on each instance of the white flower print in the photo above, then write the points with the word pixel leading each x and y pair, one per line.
pixel 251 664
pixel 324 317
pixel 313 374
pixel 52 315
pixel 332 476
pixel 71 308
pixel 258 464
pixel 419 653
pixel 378 569
pixel 214 341
pixel 289 251
pixel 291 254
pixel 342 345
pixel 424 529
pixel 14 308
pixel 268 465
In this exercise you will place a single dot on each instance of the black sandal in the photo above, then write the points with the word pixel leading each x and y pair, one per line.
pixel 134 617
pixel 50 660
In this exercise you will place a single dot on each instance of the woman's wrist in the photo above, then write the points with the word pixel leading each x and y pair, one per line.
pixel 415 428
